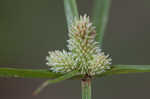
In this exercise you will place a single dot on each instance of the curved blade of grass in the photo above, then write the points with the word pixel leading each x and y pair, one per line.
pixel 100 17
pixel 27 73
pixel 126 69
pixel 59 79
pixel 71 11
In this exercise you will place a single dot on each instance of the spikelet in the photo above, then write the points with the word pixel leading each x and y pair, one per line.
pixel 60 61
pixel 84 53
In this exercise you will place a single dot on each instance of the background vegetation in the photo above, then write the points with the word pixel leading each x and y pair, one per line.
pixel 29 29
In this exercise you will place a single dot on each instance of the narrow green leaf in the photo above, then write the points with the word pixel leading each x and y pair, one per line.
pixel 71 11
pixel 59 79
pixel 126 69
pixel 27 73
pixel 100 17
pixel 123 69
pixel 42 73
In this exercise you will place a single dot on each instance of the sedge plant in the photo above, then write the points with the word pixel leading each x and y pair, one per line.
pixel 84 60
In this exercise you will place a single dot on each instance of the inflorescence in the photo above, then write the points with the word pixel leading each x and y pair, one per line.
pixel 84 53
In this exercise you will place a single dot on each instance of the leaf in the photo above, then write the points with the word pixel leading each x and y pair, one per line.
pixel 71 11
pixel 42 73
pixel 123 69
pixel 59 79
pixel 126 69
pixel 27 73
pixel 100 17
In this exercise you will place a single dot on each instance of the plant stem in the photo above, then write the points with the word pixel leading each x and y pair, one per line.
pixel 86 88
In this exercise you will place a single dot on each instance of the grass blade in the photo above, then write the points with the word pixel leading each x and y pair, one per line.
pixel 27 73
pixel 100 17
pixel 126 69
pixel 59 79
pixel 71 11
pixel 43 73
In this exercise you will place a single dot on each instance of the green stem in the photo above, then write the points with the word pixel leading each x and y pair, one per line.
pixel 86 88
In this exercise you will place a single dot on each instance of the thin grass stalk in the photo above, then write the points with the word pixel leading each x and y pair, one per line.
pixel 86 88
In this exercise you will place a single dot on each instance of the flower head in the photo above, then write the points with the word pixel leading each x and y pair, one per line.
pixel 84 53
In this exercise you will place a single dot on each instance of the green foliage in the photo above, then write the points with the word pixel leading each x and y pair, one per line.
pixel 126 69
pixel 71 11
pixel 59 79
pixel 27 73
pixel 42 73
pixel 100 17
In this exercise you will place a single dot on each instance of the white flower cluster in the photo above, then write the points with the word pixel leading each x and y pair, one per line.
pixel 60 61
pixel 84 53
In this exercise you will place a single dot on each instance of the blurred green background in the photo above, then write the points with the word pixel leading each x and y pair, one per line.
pixel 30 28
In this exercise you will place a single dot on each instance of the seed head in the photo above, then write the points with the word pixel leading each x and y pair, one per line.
pixel 84 53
